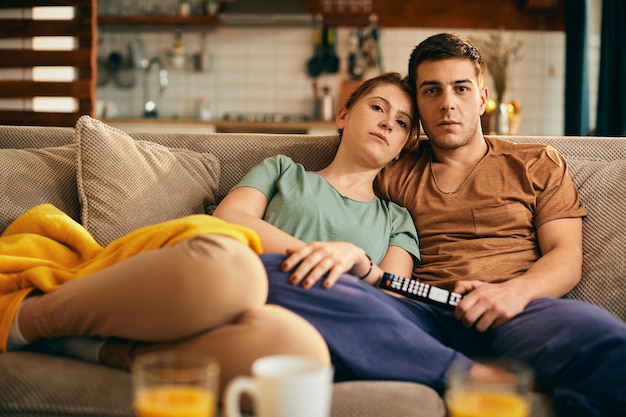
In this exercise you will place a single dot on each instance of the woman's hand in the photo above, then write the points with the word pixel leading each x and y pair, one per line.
pixel 313 260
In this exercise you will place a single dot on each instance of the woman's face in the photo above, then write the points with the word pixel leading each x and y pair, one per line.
pixel 381 118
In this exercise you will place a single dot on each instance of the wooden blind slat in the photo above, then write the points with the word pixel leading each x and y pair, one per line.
pixel 31 118
pixel 18 4
pixel 22 28
pixel 19 88
pixel 29 58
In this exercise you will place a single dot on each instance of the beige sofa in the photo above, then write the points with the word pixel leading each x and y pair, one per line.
pixel 112 183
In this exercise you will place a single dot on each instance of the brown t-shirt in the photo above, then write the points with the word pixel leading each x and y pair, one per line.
pixel 486 229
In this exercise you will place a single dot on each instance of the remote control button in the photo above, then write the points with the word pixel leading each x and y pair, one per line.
pixel 438 294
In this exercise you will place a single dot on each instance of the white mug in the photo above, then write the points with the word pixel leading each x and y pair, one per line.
pixel 283 386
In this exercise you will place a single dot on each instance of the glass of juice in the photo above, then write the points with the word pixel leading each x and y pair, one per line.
pixel 504 394
pixel 171 384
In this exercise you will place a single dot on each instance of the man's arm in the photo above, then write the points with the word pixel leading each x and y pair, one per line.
pixel 488 305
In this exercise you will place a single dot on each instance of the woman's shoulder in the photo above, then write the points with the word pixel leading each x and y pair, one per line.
pixel 280 163
pixel 283 160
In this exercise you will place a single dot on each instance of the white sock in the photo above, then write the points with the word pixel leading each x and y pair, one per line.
pixel 16 339
pixel 85 348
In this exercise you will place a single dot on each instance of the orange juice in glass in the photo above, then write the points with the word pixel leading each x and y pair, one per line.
pixel 168 384
pixel 487 404
pixel 504 397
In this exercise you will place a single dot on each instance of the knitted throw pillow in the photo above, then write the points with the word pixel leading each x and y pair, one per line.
pixel 124 184
pixel 30 177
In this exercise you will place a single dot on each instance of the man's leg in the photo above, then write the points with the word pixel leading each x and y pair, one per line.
pixel 578 352
pixel 370 334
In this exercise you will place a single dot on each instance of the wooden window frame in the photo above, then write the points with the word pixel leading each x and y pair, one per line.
pixel 83 27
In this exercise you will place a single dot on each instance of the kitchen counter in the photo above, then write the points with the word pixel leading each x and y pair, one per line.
pixel 166 125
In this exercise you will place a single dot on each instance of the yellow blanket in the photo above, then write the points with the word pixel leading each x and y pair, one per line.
pixel 44 247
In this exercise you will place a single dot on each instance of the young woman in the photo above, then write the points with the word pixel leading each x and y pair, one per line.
pixel 330 222
pixel 316 226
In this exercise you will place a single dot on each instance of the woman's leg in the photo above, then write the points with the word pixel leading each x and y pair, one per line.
pixel 370 334
pixel 161 295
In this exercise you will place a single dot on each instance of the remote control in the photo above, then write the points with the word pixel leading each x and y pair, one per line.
pixel 417 290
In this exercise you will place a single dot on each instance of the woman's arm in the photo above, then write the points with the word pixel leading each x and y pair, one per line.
pixel 246 206
pixel 397 261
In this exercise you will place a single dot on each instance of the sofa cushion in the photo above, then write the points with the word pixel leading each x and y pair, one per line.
pixel 602 187
pixel 125 184
pixel 34 384
pixel 40 385
pixel 35 176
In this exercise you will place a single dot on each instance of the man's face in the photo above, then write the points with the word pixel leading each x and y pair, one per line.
pixel 449 101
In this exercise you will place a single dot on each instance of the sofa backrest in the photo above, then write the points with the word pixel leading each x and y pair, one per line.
pixel 598 167
pixel 239 152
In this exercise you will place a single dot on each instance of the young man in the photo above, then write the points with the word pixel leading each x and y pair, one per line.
pixel 502 224
pixel 498 222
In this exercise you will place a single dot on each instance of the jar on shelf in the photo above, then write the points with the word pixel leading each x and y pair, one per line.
pixel 211 7
pixel 184 8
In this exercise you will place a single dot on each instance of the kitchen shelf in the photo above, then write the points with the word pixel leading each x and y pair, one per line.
pixel 152 20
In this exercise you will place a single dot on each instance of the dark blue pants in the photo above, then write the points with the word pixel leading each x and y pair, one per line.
pixel 577 350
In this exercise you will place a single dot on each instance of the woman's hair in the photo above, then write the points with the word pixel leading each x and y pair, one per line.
pixel 392 78
pixel 446 46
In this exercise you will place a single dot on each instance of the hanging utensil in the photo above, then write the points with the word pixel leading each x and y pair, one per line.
pixel 368 49
pixel 202 58
pixel 103 73
pixel 355 63
pixel 124 78
pixel 315 63
pixel 137 52
pixel 115 59
pixel 331 61
pixel 375 31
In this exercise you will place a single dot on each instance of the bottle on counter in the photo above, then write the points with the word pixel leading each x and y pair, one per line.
pixel 328 105
pixel 211 7
pixel 204 109
pixel 184 8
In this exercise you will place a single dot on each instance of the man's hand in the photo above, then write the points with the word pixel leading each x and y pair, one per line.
pixel 315 259
pixel 489 305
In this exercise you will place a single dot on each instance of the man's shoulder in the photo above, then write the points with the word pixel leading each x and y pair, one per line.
pixel 416 151
pixel 505 145
pixel 525 151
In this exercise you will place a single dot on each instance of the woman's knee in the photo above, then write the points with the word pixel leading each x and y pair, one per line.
pixel 258 332
pixel 280 331
pixel 217 266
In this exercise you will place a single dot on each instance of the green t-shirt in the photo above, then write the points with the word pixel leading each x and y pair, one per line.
pixel 306 206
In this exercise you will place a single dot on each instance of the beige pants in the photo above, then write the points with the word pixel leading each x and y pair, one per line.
pixel 206 294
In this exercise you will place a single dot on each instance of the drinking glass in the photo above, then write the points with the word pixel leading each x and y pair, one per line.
pixel 170 384
pixel 504 396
